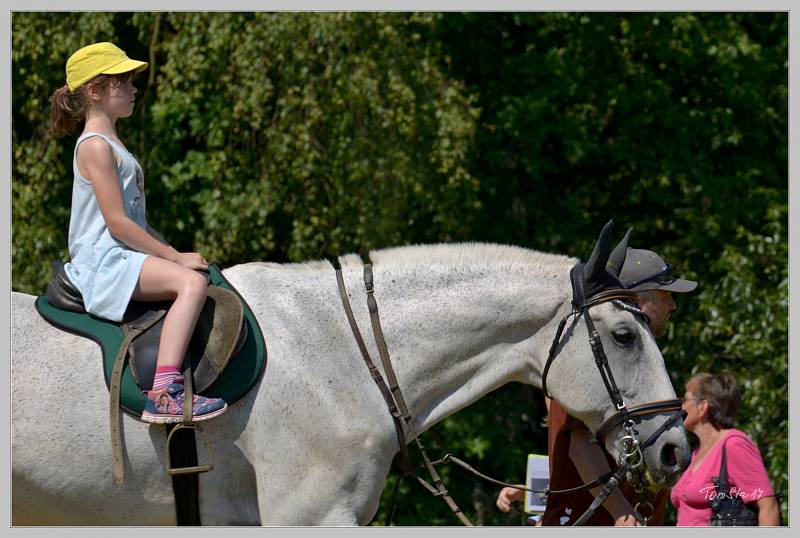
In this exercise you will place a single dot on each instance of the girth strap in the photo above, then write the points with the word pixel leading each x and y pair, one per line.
pixel 183 454
pixel 187 503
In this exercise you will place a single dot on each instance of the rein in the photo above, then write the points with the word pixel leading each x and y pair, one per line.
pixel 403 421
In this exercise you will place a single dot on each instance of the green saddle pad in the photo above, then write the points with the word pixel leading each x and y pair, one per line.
pixel 239 376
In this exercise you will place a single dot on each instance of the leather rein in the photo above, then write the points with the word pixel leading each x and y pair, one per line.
pixel 403 420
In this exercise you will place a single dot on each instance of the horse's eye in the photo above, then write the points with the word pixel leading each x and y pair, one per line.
pixel 623 337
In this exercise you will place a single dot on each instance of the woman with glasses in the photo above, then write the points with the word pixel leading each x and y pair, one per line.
pixel 711 402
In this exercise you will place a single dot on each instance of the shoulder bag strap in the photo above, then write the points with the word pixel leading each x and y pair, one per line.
pixel 723 471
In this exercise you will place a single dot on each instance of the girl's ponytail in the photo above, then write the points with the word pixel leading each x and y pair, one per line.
pixel 67 109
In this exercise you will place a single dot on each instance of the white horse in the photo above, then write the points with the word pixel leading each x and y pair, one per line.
pixel 313 442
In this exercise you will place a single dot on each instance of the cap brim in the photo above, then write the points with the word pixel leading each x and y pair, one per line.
pixel 678 286
pixel 125 66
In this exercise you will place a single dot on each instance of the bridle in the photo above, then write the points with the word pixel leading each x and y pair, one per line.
pixel 580 307
pixel 630 445
pixel 403 421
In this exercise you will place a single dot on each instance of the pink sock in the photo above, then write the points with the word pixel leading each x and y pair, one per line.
pixel 165 375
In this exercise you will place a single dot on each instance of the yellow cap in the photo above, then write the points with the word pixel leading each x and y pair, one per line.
pixel 98 59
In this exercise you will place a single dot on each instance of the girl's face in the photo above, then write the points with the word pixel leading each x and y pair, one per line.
pixel 120 98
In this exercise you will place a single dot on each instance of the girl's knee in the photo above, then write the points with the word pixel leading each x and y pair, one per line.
pixel 195 284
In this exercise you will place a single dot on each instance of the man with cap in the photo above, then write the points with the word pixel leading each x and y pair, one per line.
pixel 646 273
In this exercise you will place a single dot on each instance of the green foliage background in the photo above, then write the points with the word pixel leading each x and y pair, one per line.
pixel 292 136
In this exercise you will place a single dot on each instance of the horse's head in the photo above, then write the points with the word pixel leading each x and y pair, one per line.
pixel 611 374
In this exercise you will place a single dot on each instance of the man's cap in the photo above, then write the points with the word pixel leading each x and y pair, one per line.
pixel 99 59
pixel 646 270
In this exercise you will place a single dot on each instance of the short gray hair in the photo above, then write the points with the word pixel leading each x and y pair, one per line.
pixel 721 393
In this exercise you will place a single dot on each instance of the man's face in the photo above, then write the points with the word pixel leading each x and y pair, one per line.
pixel 659 305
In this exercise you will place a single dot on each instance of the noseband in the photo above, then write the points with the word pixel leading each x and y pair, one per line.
pixel 625 417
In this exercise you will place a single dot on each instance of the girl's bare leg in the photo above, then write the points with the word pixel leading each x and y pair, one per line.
pixel 161 280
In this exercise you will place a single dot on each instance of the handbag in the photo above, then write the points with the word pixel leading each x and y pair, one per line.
pixel 727 509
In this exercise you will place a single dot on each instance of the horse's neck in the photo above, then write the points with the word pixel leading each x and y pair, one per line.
pixel 459 321
pixel 457 331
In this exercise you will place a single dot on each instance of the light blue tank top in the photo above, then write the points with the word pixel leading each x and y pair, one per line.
pixel 104 269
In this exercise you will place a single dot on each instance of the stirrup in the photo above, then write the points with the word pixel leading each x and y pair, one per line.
pixel 193 469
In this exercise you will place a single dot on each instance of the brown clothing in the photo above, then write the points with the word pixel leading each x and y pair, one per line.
pixel 566 508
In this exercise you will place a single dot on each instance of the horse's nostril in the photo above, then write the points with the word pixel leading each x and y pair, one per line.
pixel 669 457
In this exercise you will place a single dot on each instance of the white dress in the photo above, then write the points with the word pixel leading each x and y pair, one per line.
pixel 102 268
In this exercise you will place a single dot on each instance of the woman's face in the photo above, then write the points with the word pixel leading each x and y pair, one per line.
pixel 693 407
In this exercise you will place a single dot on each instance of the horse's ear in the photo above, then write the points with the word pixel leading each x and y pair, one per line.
pixel 617 258
pixel 595 268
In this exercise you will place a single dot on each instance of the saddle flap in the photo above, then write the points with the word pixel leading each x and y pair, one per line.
pixel 219 332
pixel 218 335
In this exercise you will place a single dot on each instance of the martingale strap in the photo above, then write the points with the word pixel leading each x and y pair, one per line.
pixel 375 373
pixel 392 395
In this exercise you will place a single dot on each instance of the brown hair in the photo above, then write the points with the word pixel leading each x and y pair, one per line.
pixel 721 393
pixel 69 108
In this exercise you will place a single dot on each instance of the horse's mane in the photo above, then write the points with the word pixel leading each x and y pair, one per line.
pixel 464 256
pixel 468 255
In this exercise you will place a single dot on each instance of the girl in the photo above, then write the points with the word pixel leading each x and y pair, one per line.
pixel 115 255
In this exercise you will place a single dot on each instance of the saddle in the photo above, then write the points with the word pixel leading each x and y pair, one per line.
pixel 219 334
pixel 226 355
